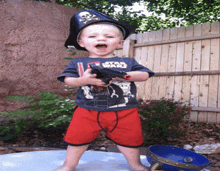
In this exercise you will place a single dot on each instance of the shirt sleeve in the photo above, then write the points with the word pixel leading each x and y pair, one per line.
pixel 138 67
pixel 70 71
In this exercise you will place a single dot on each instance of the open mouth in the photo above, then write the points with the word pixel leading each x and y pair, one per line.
pixel 101 46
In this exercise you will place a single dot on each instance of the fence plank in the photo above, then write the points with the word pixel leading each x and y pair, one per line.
pixel 213 82
pixel 157 64
pixel 215 55
pixel 206 29
pixel 194 93
pixel 138 50
pixel 147 56
pixel 187 53
pixel 218 114
pixel 204 79
pixel 171 64
pixel 144 59
pixel 138 56
pixel 153 37
pixel 218 118
pixel 158 51
pixel 203 95
pixel 215 28
pixel 179 65
pixel 128 48
pixel 150 64
pixel 164 65
pixel 194 99
pixel 165 54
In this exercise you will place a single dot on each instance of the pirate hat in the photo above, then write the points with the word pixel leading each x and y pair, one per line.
pixel 85 18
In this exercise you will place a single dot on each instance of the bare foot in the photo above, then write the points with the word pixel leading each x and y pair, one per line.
pixel 62 169
pixel 140 168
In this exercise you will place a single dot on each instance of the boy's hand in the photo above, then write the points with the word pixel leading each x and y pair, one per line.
pixel 91 79
pixel 86 79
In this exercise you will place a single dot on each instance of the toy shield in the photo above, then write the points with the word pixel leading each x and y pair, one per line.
pixel 169 158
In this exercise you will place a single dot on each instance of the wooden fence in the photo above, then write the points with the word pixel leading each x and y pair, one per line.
pixel 186 63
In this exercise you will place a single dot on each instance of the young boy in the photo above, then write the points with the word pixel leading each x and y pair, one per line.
pixel 111 107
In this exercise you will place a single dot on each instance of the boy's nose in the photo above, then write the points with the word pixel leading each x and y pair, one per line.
pixel 101 37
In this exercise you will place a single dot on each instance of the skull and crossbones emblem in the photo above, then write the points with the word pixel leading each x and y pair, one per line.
pixel 86 16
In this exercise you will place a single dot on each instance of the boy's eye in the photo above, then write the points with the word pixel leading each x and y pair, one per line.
pixel 91 36
pixel 109 36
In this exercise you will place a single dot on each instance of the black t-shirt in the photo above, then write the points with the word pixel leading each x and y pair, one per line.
pixel 120 95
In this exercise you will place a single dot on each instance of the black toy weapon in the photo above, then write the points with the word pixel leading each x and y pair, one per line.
pixel 107 74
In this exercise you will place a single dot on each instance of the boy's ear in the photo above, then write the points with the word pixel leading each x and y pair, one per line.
pixel 120 44
pixel 80 43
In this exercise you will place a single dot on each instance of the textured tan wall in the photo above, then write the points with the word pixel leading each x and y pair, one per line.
pixel 32 36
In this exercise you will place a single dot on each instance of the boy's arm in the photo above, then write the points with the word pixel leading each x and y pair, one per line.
pixel 86 79
pixel 136 76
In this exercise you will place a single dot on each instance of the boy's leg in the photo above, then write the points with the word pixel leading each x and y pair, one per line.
pixel 73 155
pixel 132 155
pixel 82 130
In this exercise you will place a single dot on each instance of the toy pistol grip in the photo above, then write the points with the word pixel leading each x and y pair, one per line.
pixel 106 80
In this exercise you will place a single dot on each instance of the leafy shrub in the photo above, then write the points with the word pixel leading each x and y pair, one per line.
pixel 45 110
pixel 161 119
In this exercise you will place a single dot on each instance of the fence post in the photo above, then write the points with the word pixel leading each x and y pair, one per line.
pixel 128 48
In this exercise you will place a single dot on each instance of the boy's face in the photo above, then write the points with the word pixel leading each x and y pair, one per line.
pixel 101 40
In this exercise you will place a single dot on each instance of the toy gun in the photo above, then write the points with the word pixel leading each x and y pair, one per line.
pixel 107 74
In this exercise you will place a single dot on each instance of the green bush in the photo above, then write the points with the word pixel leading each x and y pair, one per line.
pixel 161 119
pixel 45 110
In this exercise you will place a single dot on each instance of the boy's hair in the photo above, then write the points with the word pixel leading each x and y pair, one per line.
pixel 121 30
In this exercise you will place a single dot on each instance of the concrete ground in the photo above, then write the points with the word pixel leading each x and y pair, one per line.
pixel 112 160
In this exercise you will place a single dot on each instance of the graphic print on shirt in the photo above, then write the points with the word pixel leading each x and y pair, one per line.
pixel 118 94
pixel 114 64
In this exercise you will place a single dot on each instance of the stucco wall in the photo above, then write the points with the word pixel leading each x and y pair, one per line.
pixel 32 35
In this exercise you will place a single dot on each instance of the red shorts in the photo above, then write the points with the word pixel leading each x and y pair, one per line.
pixel 122 127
